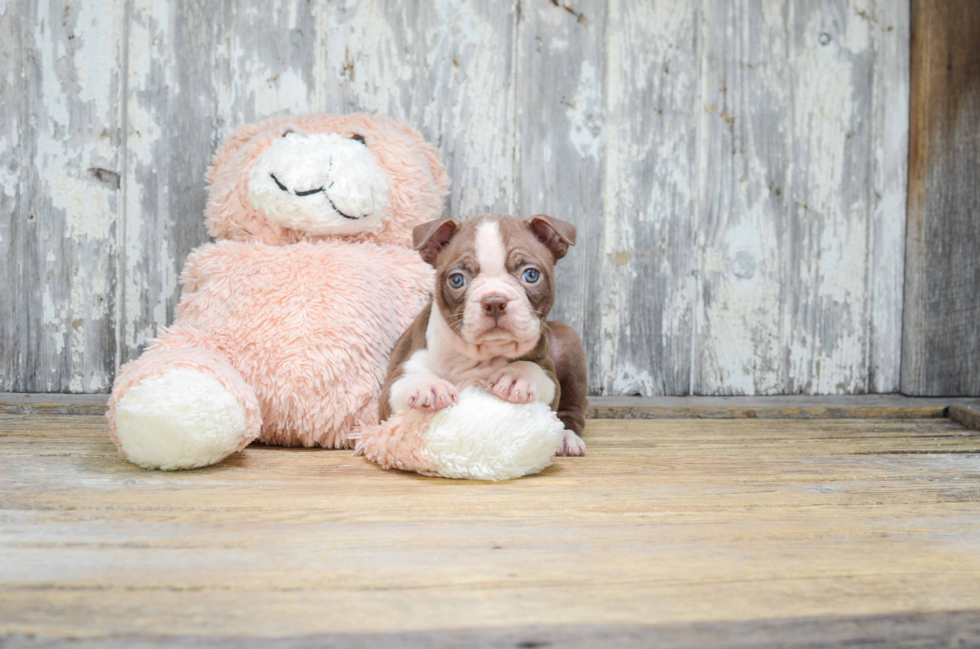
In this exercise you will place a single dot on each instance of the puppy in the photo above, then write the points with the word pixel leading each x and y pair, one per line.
pixel 486 324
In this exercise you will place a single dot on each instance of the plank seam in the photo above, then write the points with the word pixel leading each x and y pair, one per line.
pixel 121 213
pixel 965 412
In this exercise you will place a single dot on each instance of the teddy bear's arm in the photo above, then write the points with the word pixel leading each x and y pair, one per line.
pixel 199 265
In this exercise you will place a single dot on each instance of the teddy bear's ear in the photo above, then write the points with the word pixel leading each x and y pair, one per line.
pixel 236 141
pixel 555 234
pixel 430 238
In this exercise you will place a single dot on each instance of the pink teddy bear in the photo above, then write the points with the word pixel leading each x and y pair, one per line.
pixel 287 320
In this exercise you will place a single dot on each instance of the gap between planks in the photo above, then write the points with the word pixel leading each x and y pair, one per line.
pixel 965 411
pixel 897 631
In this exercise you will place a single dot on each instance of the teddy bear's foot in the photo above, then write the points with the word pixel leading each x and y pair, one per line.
pixel 183 419
pixel 169 413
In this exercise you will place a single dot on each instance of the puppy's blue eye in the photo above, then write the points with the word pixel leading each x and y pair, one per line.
pixel 531 275
pixel 456 280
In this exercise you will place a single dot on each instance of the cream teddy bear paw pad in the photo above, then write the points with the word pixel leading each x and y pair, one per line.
pixel 182 419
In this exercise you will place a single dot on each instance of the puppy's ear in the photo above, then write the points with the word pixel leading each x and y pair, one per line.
pixel 555 234
pixel 430 238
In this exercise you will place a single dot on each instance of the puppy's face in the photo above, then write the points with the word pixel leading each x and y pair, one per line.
pixel 494 274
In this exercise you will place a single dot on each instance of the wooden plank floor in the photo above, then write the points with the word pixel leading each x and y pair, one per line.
pixel 693 532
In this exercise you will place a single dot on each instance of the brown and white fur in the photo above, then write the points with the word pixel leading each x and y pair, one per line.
pixel 489 328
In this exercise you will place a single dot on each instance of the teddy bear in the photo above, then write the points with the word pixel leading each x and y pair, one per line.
pixel 286 321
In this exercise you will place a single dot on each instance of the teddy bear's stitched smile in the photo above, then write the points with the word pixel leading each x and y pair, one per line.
pixel 310 192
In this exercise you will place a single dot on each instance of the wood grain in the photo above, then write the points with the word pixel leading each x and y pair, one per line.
pixel 52 404
pixel 59 172
pixel 787 203
pixel 897 631
pixel 446 68
pixel 736 170
pixel 941 341
pixel 966 414
pixel 890 35
pixel 562 110
pixel 644 291
pixel 670 522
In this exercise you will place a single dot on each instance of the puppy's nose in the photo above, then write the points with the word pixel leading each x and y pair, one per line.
pixel 494 305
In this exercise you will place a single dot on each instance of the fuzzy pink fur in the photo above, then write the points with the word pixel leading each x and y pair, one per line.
pixel 300 327
pixel 416 177
pixel 397 443
pixel 309 326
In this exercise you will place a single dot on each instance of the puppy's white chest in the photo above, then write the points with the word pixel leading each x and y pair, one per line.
pixel 458 369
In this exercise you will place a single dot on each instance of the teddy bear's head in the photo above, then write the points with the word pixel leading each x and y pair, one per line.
pixel 310 177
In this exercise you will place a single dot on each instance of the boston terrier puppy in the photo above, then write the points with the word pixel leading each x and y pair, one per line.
pixel 486 324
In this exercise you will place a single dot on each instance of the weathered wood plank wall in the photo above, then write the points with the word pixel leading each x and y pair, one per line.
pixel 737 170
pixel 942 281
pixel 790 205
pixel 60 155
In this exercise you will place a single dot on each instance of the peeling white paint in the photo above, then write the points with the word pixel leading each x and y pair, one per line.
pixel 796 205
pixel 585 113
pixel 8 179
pixel 358 47
pixel 85 204
pixel 740 192
pixel 632 381
pixel 54 320
pixel 617 231
pixel 75 166
pixel 450 77
pixel 147 274
pixel 96 57
pixel 891 35
pixel 255 89
pixel 649 215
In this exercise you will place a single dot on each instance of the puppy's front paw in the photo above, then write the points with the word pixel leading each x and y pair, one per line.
pixel 513 386
pixel 432 394
pixel 571 445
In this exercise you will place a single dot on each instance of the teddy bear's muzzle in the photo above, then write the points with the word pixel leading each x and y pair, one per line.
pixel 319 183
